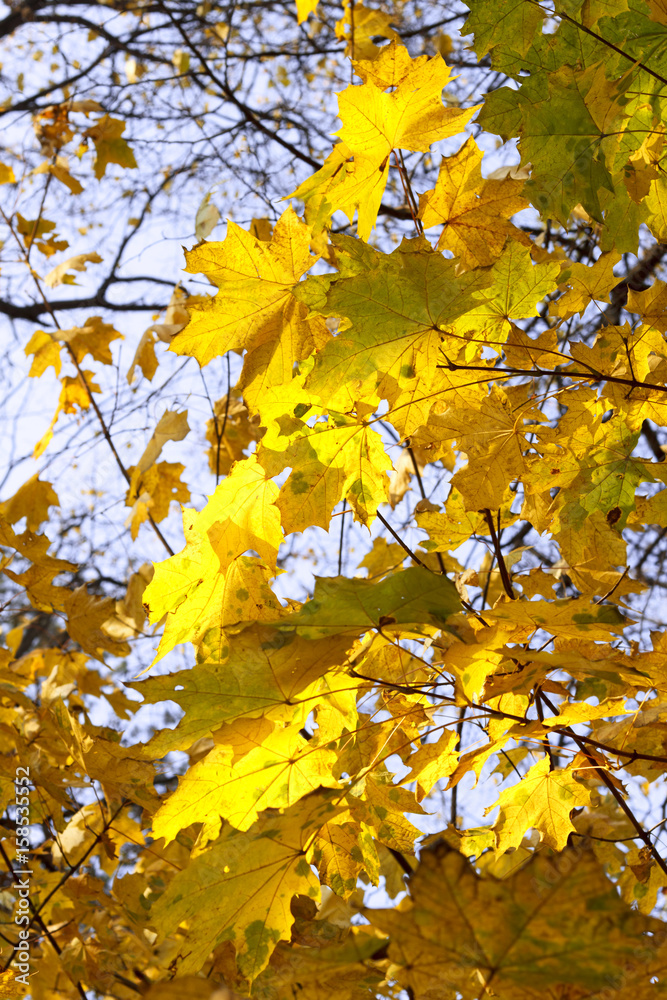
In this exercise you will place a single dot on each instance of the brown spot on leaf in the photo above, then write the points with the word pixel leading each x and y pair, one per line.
pixel 613 516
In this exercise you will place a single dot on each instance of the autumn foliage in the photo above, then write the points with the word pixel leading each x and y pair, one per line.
pixel 439 771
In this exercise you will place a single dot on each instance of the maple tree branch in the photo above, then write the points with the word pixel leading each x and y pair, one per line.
pixel 592 376
pixel 30 103
pixel 401 542
pixel 616 585
pixel 129 984
pixel 249 114
pixel 37 309
pixel 630 755
pixel 340 540
pixel 401 860
pixel 253 117
pixel 653 441
pixel 504 575
pixel 408 192
pixel 540 713
pixel 107 436
pixel 635 280
pixel 453 804
pixel 610 45
pixel 469 608
pixel 418 474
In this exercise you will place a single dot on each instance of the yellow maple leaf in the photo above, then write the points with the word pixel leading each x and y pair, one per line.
pixel 6 174
pixel 74 394
pixel 229 433
pixel 87 616
pixel 9 987
pixel 254 309
pixel 254 765
pixel 586 285
pixel 554 920
pixel 153 491
pixel 347 184
pixel 433 761
pixel 208 581
pixel 255 672
pixel 332 460
pixel 130 615
pixel 242 515
pixel 46 353
pixel 304 8
pixel 411 117
pixel 120 770
pixel 543 800
pixel 60 171
pixel 388 67
pixel 93 338
pixel 342 850
pixel 172 426
pixel 144 358
pixel 359 26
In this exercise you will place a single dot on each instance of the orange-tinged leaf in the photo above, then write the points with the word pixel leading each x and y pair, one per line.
pixel 555 923
pixel 93 338
pixel 31 501
pixel 474 212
